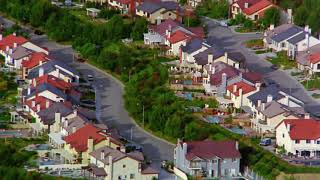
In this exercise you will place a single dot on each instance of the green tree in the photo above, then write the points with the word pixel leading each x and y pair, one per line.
pixel 39 12
pixel 140 27
pixel 271 16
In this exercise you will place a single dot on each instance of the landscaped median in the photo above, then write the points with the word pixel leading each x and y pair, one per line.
pixel 145 80
pixel 282 61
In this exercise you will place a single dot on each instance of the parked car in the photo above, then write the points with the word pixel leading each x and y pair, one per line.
pixel 275 67
pixel 81 60
pixel 265 142
pixel 90 77
pixel 38 32
pixel 223 23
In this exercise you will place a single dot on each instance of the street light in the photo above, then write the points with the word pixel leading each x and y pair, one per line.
pixel 142 114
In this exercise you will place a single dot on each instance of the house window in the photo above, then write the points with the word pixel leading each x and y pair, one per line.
pixel 124 166
pixel 214 161
pixel 131 176
pixel 283 44
pixel 169 14
pixel 318 66
pixel 283 135
pixel 318 142
pixel 308 141
pixel 297 141
pixel 234 160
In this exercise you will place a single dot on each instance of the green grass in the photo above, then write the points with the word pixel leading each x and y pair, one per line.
pixel 312 84
pixel 245 30
pixel 254 43
pixel 283 61
pixel 262 51
pixel 89 95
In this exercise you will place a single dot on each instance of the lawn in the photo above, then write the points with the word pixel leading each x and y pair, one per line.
pixel 88 95
pixel 245 30
pixel 254 43
pixel 283 61
pixel 312 84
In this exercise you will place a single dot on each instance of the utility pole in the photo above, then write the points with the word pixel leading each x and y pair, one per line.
pixel 131 132
pixel 143 116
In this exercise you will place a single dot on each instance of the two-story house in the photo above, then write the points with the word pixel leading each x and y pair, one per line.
pixel 213 159
pixel 251 9
pixel 34 60
pixel 239 92
pixel 299 137
pixel 309 61
pixel 115 164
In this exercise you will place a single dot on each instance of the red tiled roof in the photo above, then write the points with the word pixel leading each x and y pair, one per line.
pixel 79 139
pixel 178 36
pixel 215 79
pixel 10 40
pixel 56 82
pixel 260 5
pixel 208 149
pixel 246 88
pixel 123 1
pixel 198 31
pixel 302 129
pixel 165 25
pixel 241 3
pixel 314 58
pixel 39 100
pixel 34 60
pixel 253 77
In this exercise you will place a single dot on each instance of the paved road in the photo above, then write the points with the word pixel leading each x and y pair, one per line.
pixel 110 103
pixel 231 41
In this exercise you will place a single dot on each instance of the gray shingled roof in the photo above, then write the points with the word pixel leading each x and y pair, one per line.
pixel 236 56
pixel 287 34
pixel 202 57
pixel 192 46
pixel 47 115
pixel 149 7
pixel 49 67
pixel 297 38
pixel 46 87
pixel 20 52
pixel 263 94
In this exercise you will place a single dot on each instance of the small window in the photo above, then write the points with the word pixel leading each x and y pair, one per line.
pixel 283 135
pixel 124 166
pixel 234 160
pixel 318 66
pixel 169 14
pixel 318 142
pixel 131 176
pixel 297 141
pixel 308 141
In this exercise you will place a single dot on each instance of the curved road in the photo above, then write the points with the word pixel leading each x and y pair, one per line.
pixel 110 102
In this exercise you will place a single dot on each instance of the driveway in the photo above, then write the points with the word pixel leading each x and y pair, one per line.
pixel 110 103
pixel 230 41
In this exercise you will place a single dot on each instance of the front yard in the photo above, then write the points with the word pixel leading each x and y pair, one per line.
pixel 254 44
pixel 282 61
pixel 312 84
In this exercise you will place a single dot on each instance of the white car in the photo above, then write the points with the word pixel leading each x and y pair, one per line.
pixel 90 77
pixel 223 23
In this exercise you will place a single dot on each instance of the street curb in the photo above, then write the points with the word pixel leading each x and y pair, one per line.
pixel 122 87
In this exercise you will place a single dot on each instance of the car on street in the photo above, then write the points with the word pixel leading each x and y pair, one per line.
pixel 223 23
pixel 265 142
pixel 275 67
pixel 90 77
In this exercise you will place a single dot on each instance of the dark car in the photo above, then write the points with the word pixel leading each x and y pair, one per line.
pixel 265 142
pixel 275 67
pixel 38 32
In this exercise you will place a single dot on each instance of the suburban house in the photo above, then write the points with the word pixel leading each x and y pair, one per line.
pixel 122 5
pixel 251 9
pixel 87 139
pixel 54 68
pixel 156 12
pixel 34 60
pixel 32 106
pixel 189 50
pixel 270 106
pixel 309 61
pixel 216 82
pixel 45 90
pixel 158 34
pixel 290 38
pixel 214 159
pixel 299 137
pixel 239 92
pixel 111 164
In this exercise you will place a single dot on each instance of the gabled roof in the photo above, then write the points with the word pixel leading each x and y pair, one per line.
pixel 165 25
pixel 246 88
pixel 46 87
pixel 298 38
pixel 178 36
pixel 216 78
pixel 192 46
pixel 263 94
pixel 79 139
pixel 198 31
pixel 49 67
pixel 303 129
pixel 10 40
pixel 241 3
pixel 123 1
pixel 38 100
pixel 294 30
pixel 252 77
pixel 236 56
pixel 151 6
pixel 34 60
pixel 210 149
pixel 47 115
pixel 260 5
pixel 314 58
pixel 202 57
pixel 52 80
pixel 20 52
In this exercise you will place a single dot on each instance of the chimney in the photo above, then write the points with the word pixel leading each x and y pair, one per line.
pixel 258 85
pixel 235 88
pixel 102 155
pixel 15 45
pixel 57 117
pixel 47 103
pixel 288 127
pixel 240 93
pixel 213 70
pixel 58 72
pixel 29 90
pixel 246 5
pixel 263 106
pixel 308 41
pixel 7 48
pixel 210 58
pixel 41 71
pixel 1 37
pixel 306 28
pixel 38 108
pixel 33 103
pixel 287 100
pixel 307 116
pixel 210 67
pixel 10 51
pixel 75 112
pixel 40 63
pixel 269 98
pixel 226 57
pixel 123 149
pixel 259 103
pixel 14 34
pixel 224 79
pixel 289 12
pixel 237 145
pixel 90 144
pixel 271 27
pixel 185 148
pixel 66 124
pixel 74 129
